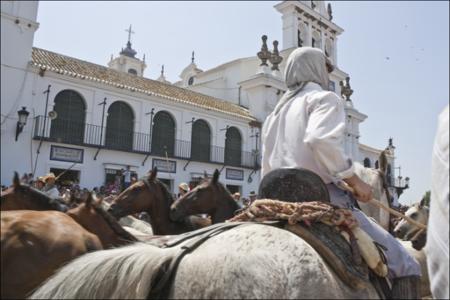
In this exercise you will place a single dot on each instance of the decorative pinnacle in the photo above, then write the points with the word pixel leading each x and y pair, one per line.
pixel 275 58
pixel 330 12
pixel 346 90
pixel 162 70
pixel 193 57
pixel 264 54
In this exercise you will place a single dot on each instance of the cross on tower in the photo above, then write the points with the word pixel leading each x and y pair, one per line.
pixel 129 33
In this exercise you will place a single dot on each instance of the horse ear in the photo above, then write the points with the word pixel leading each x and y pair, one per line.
pixel 422 202
pixel 383 162
pixel 153 174
pixel 16 180
pixel 215 178
pixel 89 199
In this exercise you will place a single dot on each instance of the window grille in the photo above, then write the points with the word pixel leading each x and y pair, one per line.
pixel 163 134
pixel 119 126
pixel 233 147
pixel 68 127
pixel 200 141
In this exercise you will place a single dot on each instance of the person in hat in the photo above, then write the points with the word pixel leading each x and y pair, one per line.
pixel 237 198
pixel 39 183
pixel 315 116
pixel 183 188
pixel 252 196
pixel 50 185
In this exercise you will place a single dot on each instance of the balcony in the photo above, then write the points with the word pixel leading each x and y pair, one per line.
pixel 89 135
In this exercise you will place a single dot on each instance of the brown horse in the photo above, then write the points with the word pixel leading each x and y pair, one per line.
pixel 151 195
pixel 34 244
pixel 21 196
pixel 96 220
pixel 209 197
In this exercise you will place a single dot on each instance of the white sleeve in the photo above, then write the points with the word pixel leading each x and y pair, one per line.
pixel 436 248
pixel 325 135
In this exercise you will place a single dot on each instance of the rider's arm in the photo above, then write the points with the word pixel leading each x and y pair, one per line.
pixel 325 135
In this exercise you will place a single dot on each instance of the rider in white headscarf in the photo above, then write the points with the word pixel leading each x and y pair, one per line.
pixel 306 130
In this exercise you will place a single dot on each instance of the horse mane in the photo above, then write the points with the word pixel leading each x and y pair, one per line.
pixel 40 197
pixel 115 226
pixel 166 194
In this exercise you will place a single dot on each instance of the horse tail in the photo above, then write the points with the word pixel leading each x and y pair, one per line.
pixel 121 273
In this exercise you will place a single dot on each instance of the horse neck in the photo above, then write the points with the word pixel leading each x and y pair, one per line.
pixel 159 216
pixel 226 206
pixel 114 235
pixel 20 204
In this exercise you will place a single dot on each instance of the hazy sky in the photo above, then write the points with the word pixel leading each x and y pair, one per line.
pixel 397 55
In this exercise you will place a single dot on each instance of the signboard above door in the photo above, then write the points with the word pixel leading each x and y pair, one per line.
pixel 168 166
pixel 66 154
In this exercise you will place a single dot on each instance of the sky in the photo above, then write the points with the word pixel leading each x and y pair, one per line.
pixel 396 53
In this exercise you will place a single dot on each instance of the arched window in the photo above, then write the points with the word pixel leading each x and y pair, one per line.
pixel 132 71
pixel 191 80
pixel 233 147
pixel 119 126
pixel 68 127
pixel 367 162
pixel 163 134
pixel 200 141
pixel 377 165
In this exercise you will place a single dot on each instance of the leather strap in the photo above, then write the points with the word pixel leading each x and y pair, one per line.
pixel 160 284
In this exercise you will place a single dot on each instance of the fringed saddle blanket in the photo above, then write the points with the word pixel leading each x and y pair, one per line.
pixel 318 223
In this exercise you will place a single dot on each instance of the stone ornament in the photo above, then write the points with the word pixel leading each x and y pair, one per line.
pixel 264 54
pixel 346 90
pixel 330 12
pixel 275 58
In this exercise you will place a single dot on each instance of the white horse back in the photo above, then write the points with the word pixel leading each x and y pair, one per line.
pixel 251 261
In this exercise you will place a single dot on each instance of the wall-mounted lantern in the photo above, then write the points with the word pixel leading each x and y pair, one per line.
pixel 23 116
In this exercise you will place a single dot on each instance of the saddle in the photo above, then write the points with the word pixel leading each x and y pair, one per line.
pixel 342 254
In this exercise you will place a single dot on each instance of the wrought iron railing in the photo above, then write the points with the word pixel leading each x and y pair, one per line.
pixel 83 134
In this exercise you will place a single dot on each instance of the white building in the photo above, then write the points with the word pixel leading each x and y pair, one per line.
pixel 209 119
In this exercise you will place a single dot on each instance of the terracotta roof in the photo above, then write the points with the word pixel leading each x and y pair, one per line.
pixel 65 65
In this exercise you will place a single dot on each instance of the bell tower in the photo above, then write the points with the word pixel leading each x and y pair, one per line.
pixel 127 61
pixel 309 23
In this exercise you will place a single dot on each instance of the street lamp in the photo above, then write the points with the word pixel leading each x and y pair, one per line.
pixel 23 116
pixel 401 184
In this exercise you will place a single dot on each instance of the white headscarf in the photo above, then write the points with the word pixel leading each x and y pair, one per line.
pixel 305 64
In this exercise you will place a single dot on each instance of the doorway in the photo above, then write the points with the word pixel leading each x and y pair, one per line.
pixel 167 182
pixel 234 188
pixel 68 178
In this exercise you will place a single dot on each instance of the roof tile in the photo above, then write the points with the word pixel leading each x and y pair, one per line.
pixel 78 68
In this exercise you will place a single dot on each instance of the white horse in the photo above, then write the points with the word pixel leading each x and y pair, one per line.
pixel 418 212
pixel 376 178
pixel 250 261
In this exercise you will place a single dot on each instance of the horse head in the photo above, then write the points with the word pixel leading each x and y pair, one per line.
pixel 96 220
pixel 141 196
pixel 408 232
pixel 23 196
pixel 209 197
